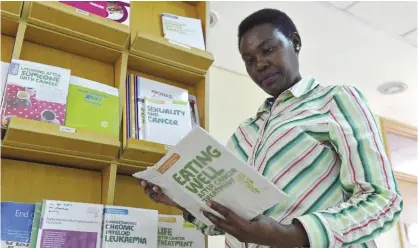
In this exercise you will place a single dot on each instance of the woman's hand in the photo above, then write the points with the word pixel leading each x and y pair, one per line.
pixel 262 230
pixel 155 193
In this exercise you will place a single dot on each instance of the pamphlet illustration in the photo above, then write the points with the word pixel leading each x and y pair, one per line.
pixel 35 91
pixel 114 10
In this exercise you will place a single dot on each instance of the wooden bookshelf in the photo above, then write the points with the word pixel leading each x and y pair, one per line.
pixel 147 39
pixel 32 182
pixel 40 160
pixel 67 20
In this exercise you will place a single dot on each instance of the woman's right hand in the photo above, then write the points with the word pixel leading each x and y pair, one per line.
pixel 155 193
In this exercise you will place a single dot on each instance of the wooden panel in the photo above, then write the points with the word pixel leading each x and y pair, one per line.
pixel 9 26
pixel 200 94
pixel 47 138
pixel 79 66
pixel 146 16
pixel 129 193
pixel 65 19
pixel 70 44
pixel 142 153
pixel 160 49
pixel 11 9
pixel 108 184
pixel 409 192
pixel 30 182
pixel 162 70
pixel 7 44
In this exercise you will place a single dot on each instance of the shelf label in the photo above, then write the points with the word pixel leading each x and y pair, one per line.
pixel 80 11
pixel 67 129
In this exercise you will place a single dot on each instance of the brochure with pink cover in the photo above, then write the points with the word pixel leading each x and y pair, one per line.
pixel 35 91
pixel 117 11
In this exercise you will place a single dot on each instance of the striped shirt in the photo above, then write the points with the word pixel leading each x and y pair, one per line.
pixel 321 145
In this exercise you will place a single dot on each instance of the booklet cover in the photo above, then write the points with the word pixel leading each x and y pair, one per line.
pixel 166 122
pixel 92 105
pixel 129 227
pixel 70 224
pixel 35 91
pixel 139 88
pixel 174 231
pixel 199 168
pixel 117 11
pixel 184 30
pixel 35 225
pixel 16 224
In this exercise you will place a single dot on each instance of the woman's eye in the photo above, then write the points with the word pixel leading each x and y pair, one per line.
pixel 269 50
pixel 248 61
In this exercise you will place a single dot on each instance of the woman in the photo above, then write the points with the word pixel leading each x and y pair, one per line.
pixel 318 144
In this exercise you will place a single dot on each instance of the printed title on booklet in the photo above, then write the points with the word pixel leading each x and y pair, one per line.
pixel 153 115
pixel 39 76
pixel 93 97
pixel 166 238
pixel 157 94
pixel 201 178
pixel 117 231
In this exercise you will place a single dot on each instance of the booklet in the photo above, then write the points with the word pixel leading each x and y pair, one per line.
pixel 199 169
pixel 166 122
pixel 174 231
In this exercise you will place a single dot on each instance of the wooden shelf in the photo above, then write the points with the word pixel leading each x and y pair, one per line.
pixel 161 50
pixel 44 142
pixel 70 44
pixel 152 67
pixel 32 182
pixel 9 26
pixel 140 154
pixel 11 9
pixel 136 197
pixel 7 44
pixel 65 19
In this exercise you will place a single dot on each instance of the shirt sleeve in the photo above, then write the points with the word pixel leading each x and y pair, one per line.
pixel 373 200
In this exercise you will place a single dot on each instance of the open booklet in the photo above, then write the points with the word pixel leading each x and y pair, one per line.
pixel 199 168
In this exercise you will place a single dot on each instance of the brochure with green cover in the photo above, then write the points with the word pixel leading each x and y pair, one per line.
pixel 35 225
pixel 93 106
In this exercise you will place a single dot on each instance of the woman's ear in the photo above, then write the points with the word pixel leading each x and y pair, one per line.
pixel 296 41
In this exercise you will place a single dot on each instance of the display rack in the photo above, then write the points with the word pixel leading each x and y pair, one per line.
pixel 43 161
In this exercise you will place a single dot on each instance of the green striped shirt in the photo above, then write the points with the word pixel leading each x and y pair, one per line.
pixel 321 146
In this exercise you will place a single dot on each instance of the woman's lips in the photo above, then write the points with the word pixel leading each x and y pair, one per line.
pixel 270 79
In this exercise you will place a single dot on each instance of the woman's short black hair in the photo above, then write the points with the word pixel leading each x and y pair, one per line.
pixel 273 16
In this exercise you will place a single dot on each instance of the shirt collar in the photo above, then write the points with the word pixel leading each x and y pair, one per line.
pixel 301 88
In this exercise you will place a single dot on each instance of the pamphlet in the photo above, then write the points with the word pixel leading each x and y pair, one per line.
pixel 174 231
pixel 199 169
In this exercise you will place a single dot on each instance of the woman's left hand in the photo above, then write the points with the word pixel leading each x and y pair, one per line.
pixel 256 231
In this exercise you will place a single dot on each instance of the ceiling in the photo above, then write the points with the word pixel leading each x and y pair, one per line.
pixel 362 44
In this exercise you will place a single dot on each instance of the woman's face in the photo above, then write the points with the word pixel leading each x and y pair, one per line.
pixel 270 59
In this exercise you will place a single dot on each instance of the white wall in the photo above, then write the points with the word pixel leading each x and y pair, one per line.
pixel 233 97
